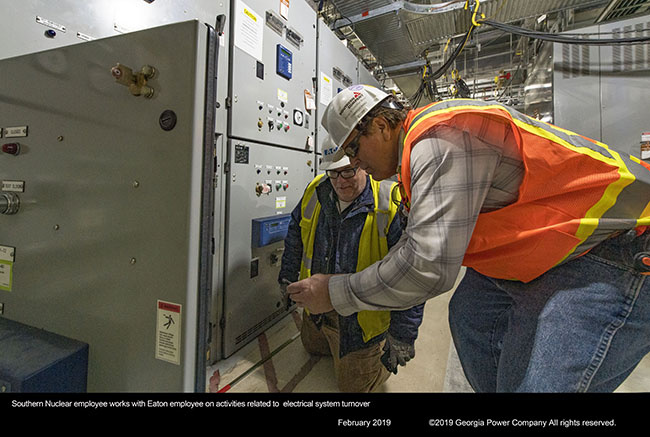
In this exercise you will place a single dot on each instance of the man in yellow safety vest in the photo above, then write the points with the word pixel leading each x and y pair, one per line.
pixel 345 222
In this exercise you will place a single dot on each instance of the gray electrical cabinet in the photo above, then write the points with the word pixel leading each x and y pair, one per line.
pixel 113 220
pixel 108 163
pixel 272 70
pixel 265 184
pixel 366 78
pixel 337 69
pixel 270 156
pixel 625 77
pixel 37 25
pixel 590 82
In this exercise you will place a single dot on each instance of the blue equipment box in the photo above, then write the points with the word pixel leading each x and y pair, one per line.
pixel 268 230
pixel 33 360
pixel 284 62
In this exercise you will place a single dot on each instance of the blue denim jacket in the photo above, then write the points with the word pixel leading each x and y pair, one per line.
pixel 336 249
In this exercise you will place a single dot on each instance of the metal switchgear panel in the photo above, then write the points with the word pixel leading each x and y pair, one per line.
pixel 600 78
pixel 337 69
pixel 273 63
pixel 265 183
pixel 111 242
pixel 38 25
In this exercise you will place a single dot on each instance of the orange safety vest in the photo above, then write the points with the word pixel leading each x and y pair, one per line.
pixel 576 192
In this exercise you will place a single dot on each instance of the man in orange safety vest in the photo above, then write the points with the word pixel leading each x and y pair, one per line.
pixel 550 226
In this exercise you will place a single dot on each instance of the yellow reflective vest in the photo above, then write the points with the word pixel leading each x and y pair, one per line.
pixel 373 244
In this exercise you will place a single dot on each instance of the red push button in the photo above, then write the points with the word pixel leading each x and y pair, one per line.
pixel 11 148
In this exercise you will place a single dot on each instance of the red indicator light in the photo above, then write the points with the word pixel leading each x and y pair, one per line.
pixel 11 148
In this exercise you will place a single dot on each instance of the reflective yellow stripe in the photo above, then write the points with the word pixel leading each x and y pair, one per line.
pixel 373 245
pixel 589 223
pixel 310 210
pixel 417 120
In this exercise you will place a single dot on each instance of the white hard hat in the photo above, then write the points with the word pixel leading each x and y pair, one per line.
pixel 347 109
pixel 328 161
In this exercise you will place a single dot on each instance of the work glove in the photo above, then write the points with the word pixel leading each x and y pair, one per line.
pixel 396 352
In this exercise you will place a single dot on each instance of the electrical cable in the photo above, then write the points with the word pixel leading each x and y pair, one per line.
pixel 428 80
pixel 565 39
pixel 427 85
pixel 416 8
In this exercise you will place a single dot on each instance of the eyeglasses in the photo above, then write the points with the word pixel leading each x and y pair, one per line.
pixel 398 197
pixel 345 174
pixel 352 148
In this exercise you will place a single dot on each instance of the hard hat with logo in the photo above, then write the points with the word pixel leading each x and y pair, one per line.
pixel 329 150
pixel 347 109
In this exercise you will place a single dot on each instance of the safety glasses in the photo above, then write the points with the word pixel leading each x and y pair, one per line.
pixel 352 148
pixel 345 174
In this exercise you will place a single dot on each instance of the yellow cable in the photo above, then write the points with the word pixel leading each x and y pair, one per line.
pixel 474 22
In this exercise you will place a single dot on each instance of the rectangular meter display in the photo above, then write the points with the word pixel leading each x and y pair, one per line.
pixel 268 230
pixel 284 64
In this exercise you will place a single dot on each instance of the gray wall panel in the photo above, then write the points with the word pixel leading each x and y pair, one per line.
pixel 625 87
pixel 576 87
pixel 602 92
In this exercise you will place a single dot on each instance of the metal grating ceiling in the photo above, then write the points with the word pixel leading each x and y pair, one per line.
pixel 395 35
pixel 426 29
pixel 394 38
pixel 622 8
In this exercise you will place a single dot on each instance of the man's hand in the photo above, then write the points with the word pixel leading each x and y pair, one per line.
pixel 312 293
pixel 396 353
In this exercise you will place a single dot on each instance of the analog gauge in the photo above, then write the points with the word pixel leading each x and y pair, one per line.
pixel 297 117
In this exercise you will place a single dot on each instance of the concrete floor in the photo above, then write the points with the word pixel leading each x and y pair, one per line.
pixel 277 362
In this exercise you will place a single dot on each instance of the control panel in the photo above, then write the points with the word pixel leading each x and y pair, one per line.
pixel 272 95
pixel 11 139
pixel 265 184
pixel 276 116
pixel 276 179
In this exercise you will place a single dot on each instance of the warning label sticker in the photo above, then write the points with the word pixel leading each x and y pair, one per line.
pixel 6 267
pixel 6 275
pixel 168 332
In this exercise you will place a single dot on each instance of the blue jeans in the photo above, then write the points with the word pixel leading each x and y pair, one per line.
pixel 581 327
